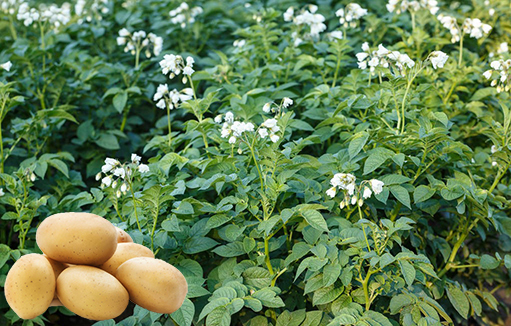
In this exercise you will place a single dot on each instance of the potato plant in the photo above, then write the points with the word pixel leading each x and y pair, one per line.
pixel 325 163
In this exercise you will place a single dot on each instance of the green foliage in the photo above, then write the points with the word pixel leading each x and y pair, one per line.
pixel 248 221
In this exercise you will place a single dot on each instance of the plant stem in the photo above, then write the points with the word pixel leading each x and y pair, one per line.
pixel 267 255
pixel 124 119
pixel 135 206
pixel 168 121
pixel 364 229
pixel 403 106
pixel 460 60
pixel 257 167
pixel 339 53
pixel 499 177
pixel 13 30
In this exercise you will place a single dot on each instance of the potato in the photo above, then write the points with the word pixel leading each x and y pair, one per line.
pixel 57 267
pixel 77 238
pixel 91 293
pixel 30 286
pixel 124 252
pixel 123 236
pixel 153 284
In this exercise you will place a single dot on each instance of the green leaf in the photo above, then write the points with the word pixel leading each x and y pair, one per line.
pixel 108 141
pixel 401 194
pixel 394 179
pixel 232 249
pixel 458 300
pixel 184 315
pixel 327 294
pixel 488 262
pixel 212 305
pixel 195 245
pixel 408 271
pixel 219 317
pixel 268 298
pixel 257 276
pixel 376 159
pixel 59 165
pixel 5 252
pixel 315 219
pixel 398 302
pixel 452 193
pixel 331 273
pixel 475 303
pixel 357 143
pixel 482 93
pixel 422 193
pixel 120 100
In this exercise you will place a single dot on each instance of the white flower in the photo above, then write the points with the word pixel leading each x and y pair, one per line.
pixel 331 192
pixel 350 14
pixel 160 92
pixel 288 15
pixel 438 59
pixel 487 74
pixel 496 65
pixel 124 187
pixel 218 118
pixel 188 71
pixel 263 132
pixel 2 192
pixel 110 163
pixel 120 172
pixel 143 168
pixel 274 138
pixel 7 66
pixel 494 149
pixel 494 163
pixel 239 43
pixel 351 188
pixel 377 186
pixel 232 140
pixel 287 102
pixel 107 181
pixel 367 193
pixel 135 158
pixel 267 107
pixel 229 117
pixel 336 35
pixel 354 200
pixel 161 104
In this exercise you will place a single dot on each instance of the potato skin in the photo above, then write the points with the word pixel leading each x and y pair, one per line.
pixel 77 238
pixel 91 293
pixel 57 267
pixel 30 286
pixel 153 284
pixel 123 236
pixel 124 252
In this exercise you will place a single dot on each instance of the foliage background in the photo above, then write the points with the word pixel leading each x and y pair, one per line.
pixel 257 238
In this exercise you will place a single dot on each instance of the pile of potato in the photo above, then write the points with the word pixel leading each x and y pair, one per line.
pixel 93 269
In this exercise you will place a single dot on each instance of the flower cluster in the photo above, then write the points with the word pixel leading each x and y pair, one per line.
pixel 383 57
pixel 438 59
pixel 118 176
pixel 502 69
pixel 353 195
pixel 173 65
pixel 350 15
pixel 9 6
pixel 96 9
pixel 54 15
pixel 502 49
pixel 233 129
pixel 399 6
pixel 7 66
pixel 269 128
pixel 308 17
pixel 473 27
pixel 239 43
pixel 139 40
pixel 285 103
pixel 183 15
pixel 171 99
